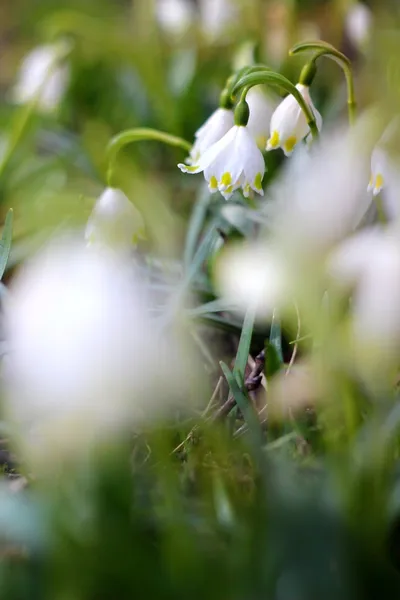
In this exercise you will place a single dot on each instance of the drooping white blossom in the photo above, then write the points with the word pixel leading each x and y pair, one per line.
pixel 43 76
pixel 231 163
pixel 289 124
pixel 216 126
pixel 115 222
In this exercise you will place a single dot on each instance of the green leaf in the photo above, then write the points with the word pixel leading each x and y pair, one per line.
pixel 5 243
pixel 243 351
pixel 244 404
pixel 195 226
pixel 275 337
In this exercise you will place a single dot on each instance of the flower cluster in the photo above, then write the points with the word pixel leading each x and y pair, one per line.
pixel 226 148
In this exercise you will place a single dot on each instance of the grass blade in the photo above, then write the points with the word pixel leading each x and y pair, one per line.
pixel 245 405
pixel 5 242
pixel 195 226
pixel 243 351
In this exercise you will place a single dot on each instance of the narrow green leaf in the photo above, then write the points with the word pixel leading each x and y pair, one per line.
pixel 275 336
pixel 5 243
pixel 244 404
pixel 195 226
pixel 243 351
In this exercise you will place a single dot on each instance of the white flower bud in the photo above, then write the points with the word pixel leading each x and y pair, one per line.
pixel 115 222
pixel 43 76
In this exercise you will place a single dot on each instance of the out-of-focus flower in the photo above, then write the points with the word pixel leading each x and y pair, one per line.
pixel 321 197
pixel 369 263
pixel 288 123
pixel 379 164
pixel 217 16
pixel 385 169
pixel 261 110
pixel 233 162
pixel 43 76
pixel 251 275
pixel 115 222
pixel 175 16
pixel 358 24
pixel 216 126
pixel 82 350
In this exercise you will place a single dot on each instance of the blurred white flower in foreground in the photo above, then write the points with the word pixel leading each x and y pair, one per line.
pixel 85 360
pixel 251 275
pixel 217 16
pixel 321 197
pixel 175 16
pixel 358 24
pixel 385 169
pixel 216 126
pixel 379 165
pixel 233 162
pixel 369 263
pixel 288 123
pixel 43 76
pixel 115 222
pixel 261 110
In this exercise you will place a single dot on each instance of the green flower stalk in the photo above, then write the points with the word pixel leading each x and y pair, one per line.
pixel 324 49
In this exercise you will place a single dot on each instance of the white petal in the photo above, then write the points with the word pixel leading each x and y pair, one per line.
pixel 261 111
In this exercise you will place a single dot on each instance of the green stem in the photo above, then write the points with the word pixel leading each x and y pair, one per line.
pixel 275 79
pixel 325 49
pixel 139 135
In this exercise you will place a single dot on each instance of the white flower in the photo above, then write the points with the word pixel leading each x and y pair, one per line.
pixel 358 23
pixel 175 16
pixel 385 170
pixel 42 76
pixel 261 110
pixel 216 126
pixel 82 350
pixel 217 16
pixel 233 162
pixel 370 264
pixel 251 275
pixel 114 222
pixel 288 123
pixel 320 196
pixel 379 164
